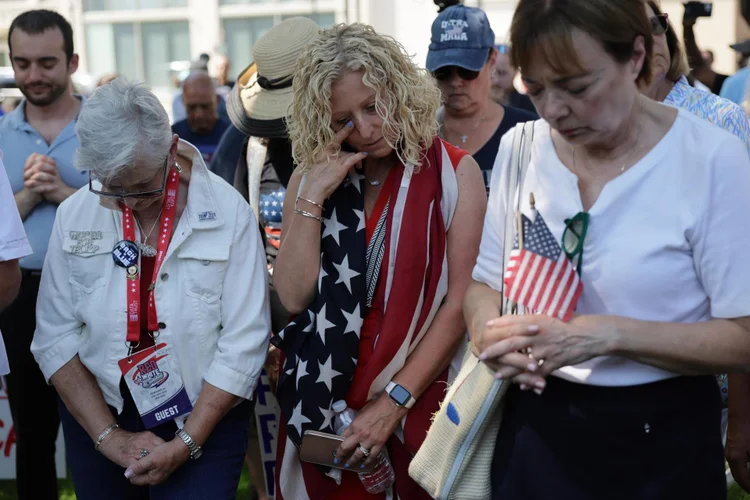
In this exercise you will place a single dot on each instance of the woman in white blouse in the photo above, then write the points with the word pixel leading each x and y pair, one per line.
pixel 619 401
pixel 139 327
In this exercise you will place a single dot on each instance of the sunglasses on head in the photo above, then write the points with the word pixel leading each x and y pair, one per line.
pixel 660 24
pixel 446 72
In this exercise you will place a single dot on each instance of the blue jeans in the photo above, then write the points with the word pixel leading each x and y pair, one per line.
pixel 214 476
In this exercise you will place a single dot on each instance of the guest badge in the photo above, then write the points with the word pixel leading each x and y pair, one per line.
pixel 156 385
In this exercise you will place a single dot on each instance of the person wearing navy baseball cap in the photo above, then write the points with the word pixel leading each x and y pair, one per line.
pixel 462 57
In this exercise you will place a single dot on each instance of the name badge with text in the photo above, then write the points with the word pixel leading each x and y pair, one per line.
pixel 156 385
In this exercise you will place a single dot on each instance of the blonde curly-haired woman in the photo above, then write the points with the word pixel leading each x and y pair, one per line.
pixel 382 221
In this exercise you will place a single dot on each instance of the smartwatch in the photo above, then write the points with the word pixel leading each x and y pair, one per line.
pixel 400 395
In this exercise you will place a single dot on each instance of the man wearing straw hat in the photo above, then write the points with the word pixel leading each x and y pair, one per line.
pixel 255 154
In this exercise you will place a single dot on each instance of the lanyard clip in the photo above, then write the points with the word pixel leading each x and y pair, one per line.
pixel 131 347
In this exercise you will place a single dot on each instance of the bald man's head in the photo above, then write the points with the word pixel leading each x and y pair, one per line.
pixel 201 102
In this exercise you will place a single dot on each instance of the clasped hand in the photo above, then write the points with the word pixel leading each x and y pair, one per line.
pixel 124 448
pixel 41 177
pixel 526 349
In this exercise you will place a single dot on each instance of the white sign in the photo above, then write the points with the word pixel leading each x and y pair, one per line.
pixel 8 443
pixel 267 413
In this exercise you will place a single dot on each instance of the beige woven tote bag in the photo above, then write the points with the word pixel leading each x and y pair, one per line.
pixel 455 459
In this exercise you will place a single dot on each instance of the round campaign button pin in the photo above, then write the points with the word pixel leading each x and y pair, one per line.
pixel 125 254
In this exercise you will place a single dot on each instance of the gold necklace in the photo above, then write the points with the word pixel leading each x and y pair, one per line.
pixel 628 158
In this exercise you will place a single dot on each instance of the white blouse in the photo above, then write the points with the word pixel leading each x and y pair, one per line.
pixel 668 240
pixel 211 293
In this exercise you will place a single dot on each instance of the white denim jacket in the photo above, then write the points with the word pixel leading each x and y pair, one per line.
pixel 211 293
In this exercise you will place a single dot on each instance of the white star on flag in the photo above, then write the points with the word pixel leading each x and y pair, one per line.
pixel 301 371
pixel 322 275
pixel 345 273
pixel 353 321
pixel 291 363
pixel 333 227
pixel 298 419
pixel 327 373
pixel 323 324
pixel 361 215
pixel 328 415
pixel 356 178
pixel 309 327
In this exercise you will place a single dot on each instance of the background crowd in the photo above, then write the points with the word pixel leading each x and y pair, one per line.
pixel 321 142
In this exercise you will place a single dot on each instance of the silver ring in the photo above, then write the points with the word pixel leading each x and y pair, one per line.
pixel 364 450
pixel 144 453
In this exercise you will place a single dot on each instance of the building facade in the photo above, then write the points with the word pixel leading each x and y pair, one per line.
pixel 143 38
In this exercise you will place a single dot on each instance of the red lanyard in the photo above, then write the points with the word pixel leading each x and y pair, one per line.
pixel 169 208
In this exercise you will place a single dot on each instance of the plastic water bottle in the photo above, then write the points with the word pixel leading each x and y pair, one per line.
pixel 382 476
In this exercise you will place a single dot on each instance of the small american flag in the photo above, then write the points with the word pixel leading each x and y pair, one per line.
pixel 539 276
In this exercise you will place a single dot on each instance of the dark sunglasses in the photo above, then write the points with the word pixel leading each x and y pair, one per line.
pixel 446 72
pixel 138 195
pixel 660 24
pixel 574 236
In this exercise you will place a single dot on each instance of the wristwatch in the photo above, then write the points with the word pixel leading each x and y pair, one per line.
pixel 195 450
pixel 400 395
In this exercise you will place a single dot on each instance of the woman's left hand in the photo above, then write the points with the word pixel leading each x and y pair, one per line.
pixel 545 344
pixel 373 426
pixel 156 467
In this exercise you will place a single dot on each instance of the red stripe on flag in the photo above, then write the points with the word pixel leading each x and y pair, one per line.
pixel 550 271
pixel 566 286
pixel 533 280
pixel 520 281
pixel 574 301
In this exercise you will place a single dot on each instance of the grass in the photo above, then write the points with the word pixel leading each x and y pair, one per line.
pixel 8 489
pixel 736 493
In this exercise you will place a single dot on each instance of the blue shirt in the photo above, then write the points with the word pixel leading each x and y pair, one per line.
pixel 207 143
pixel 735 87
pixel 18 140
pixel 721 112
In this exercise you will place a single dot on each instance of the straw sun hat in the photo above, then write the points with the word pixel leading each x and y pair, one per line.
pixel 260 100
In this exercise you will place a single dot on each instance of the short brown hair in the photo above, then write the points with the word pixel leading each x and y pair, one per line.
pixel 678 66
pixel 544 28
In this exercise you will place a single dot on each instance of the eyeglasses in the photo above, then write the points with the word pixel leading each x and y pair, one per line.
pixel 138 195
pixel 446 72
pixel 660 24
pixel 574 236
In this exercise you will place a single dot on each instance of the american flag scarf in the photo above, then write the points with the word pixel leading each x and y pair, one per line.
pixel 321 345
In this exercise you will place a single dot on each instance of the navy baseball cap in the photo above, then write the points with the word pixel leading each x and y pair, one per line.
pixel 461 36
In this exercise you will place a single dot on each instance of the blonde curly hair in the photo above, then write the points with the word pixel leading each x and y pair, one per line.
pixel 406 97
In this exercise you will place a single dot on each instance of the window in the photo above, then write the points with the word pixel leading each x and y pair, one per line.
pixel 141 51
pixel 322 19
pixel 241 34
pixel 245 2
pixel 89 5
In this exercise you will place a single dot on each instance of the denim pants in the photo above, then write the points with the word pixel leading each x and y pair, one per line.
pixel 215 475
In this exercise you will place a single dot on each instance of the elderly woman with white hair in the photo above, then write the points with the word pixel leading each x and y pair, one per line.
pixel 152 308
